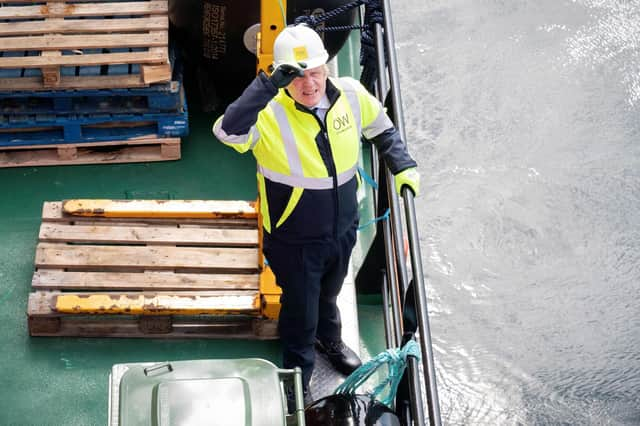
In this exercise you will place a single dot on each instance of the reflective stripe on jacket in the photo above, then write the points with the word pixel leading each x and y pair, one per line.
pixel 307 167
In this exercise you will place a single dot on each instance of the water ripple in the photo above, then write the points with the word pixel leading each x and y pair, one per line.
pixel 613 40
pixel 523 117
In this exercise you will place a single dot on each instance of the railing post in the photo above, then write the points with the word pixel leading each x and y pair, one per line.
pixel 394 244
pixel 421 309
pixel 414 240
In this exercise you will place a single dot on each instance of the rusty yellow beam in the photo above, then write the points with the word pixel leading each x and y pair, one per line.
pixel 270 293
pixel 161 208
pixel 272 20
pixel 157 304
pixel 269 290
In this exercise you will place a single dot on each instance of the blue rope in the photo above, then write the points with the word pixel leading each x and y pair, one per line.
pixel 385 392
pixel 373 14
pixel 375 219
pixel 315 20
pixel 367 178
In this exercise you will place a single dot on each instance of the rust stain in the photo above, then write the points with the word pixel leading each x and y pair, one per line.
pixel 232 215
pixel 84 212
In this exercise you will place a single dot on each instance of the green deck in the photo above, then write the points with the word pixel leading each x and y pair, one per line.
pixel 64 381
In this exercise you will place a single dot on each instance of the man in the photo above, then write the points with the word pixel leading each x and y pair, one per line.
pixel 304 130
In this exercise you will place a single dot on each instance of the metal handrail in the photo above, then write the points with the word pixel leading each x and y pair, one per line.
pixel 392 230
pixel 395 282
pixel 421 309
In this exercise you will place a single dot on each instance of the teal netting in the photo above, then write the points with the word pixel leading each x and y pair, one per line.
pixel 396 361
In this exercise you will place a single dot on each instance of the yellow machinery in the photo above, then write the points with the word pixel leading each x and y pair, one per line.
pixel 272 21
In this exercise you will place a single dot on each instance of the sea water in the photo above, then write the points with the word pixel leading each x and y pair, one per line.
pixel 524 117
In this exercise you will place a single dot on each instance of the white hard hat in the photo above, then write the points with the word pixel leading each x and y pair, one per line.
pixel 299 44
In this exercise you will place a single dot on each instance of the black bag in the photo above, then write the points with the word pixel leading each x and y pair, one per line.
pixel 349 410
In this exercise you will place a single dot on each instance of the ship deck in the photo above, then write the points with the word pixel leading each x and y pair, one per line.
pixel 64 380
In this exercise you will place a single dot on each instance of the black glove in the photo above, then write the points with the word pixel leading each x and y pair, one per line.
pixel 284 74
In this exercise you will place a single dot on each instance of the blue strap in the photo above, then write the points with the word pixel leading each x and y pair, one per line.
pixel 385 392
pixel 375 219
pixel 367 178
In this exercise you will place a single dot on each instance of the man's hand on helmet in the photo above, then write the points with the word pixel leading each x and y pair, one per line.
pixel 284 74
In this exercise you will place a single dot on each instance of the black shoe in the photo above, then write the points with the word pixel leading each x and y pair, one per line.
pixel 340 356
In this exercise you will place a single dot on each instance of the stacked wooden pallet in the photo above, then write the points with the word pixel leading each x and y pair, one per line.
pixel 75 76
pixel 150 276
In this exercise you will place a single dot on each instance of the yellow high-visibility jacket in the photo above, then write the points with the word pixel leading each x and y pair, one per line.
pixel 307 167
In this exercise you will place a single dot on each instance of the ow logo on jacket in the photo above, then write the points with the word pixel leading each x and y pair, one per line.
pixel 341 122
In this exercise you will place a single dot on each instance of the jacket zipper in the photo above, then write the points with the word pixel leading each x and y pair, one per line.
pixel 331 168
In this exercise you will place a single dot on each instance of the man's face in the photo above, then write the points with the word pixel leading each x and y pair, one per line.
pixel 308 90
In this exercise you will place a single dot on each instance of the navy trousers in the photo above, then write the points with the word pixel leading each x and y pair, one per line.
pixel 311 276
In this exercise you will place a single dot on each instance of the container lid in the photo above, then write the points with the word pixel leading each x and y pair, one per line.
pixel 236 392
pixel 196 402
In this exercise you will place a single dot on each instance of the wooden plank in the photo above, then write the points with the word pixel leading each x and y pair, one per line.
pixel 52 212
pixel 44 155
pixel 45 321
pixel 156 7
pixel 116 327
pixel 51 73
pixel 68 153
pixel 144 140
pixel 160 208
pixel 84 60
pixel 126 258
pixel 74 82
pixel 77 42
pixel 155 73
pixel 91 26
pixel 170 151
pixel 52 232
pixel 229 302
pixel 150 280
pixel 158 303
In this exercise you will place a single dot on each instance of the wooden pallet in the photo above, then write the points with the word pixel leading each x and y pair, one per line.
pixel 46 129
pixel 156 98
pixel 139 277
pixel 90 45
pixel 146 149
